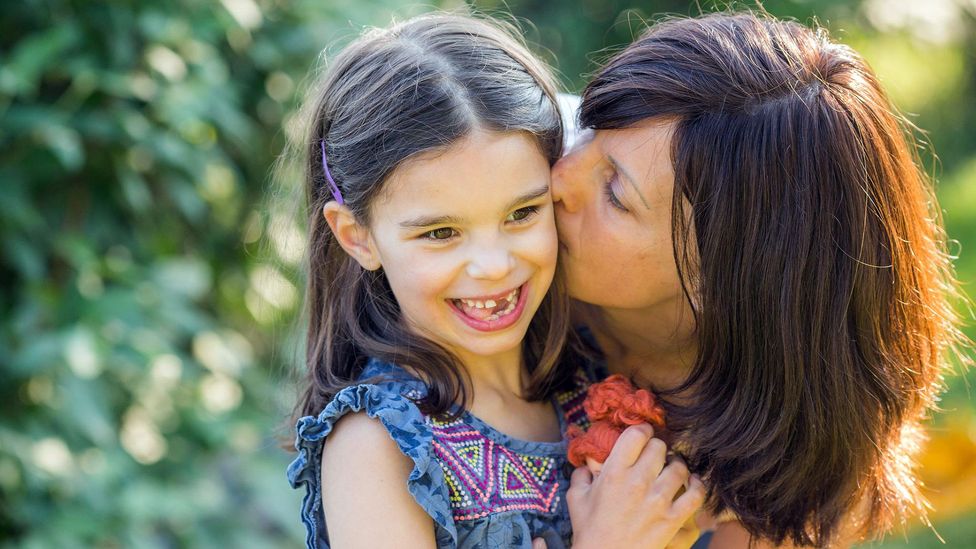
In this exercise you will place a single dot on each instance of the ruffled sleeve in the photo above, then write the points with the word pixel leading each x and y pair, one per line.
pixel 406 426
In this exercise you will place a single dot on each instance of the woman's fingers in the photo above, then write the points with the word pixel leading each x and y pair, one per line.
pixel 652 458
pixel 579 486
pixel 628 447
pixel 539 543
pixel 674 476
pixel 581 478
pixel 690 501
pixel 631 503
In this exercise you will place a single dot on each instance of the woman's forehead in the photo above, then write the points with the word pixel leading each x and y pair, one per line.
pixel 649 136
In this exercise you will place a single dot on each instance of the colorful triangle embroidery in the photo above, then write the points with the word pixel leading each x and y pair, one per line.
pixel 539 467
pixel 471 454
pixel 514 483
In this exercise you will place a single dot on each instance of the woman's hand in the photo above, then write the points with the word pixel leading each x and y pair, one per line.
pixel 632 502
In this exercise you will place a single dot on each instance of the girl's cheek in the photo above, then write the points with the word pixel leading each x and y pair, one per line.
pixel 541 247
pixel 545 230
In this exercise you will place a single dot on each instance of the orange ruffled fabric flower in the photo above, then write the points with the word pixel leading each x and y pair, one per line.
pixel 612 405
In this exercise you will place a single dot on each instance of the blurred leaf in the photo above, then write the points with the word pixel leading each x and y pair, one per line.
pixel 35 53
pixel 87 402
pixel 24 256
pixel 65 143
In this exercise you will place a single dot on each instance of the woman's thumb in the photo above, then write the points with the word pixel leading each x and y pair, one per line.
pixel 538 543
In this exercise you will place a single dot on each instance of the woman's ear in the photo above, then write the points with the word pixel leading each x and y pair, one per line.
pixel 352 236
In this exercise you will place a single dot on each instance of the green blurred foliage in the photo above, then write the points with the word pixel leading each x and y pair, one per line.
pixel 148 280
pixel 139 388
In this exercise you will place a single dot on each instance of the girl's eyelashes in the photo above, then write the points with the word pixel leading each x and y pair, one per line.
pixel 445 234
pixel 442 234
pixel 611 197
pixel 522 215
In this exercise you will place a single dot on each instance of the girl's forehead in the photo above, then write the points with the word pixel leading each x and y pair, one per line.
pixel 483 171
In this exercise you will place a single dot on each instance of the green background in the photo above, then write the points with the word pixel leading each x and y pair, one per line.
pixel 148 278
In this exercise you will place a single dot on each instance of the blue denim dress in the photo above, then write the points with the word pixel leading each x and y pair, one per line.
pixel 480 487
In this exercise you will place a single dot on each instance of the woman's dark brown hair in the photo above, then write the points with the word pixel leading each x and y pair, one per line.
pixel 414 88
pixel 815 263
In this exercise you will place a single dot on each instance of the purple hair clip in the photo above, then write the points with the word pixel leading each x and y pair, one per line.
pixel 332 184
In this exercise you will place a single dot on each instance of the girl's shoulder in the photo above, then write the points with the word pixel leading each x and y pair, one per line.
pixel 386 395
pixel 385 392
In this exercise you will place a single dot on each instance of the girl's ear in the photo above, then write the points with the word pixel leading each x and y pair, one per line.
pixel 352 236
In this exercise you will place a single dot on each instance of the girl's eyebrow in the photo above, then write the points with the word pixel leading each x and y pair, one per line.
pixel 630 179
pixel 531 195
pixel 429 220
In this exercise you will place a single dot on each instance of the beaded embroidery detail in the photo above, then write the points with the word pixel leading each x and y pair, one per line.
pixel 484 477
pixel 571 402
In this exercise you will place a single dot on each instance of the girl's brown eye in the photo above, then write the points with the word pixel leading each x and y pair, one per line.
pixel 443 233
pixel 522 214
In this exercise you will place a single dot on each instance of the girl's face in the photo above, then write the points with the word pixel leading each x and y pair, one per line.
pixel 467 241
pixel 612 197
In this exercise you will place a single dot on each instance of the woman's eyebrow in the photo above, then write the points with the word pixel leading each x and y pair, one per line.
pixel 630 179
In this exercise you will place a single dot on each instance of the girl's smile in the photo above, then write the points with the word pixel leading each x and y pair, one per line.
pixel 491 313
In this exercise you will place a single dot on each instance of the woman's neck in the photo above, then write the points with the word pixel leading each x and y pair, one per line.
pixel 656 346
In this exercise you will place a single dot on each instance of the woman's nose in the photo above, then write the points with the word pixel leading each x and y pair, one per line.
pixel 491 263
pixel 562 184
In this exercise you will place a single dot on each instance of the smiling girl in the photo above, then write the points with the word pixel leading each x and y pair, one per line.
pixel 437 373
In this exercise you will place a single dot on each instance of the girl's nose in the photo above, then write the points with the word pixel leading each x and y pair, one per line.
pixel 491 264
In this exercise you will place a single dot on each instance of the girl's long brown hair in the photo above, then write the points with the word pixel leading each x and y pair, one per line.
pixel 416 87
pixel 814 260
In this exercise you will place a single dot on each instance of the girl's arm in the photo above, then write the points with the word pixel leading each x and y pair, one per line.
pixel 364 489
pixel 632 502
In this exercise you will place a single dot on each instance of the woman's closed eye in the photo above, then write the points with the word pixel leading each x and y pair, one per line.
pixel 610 193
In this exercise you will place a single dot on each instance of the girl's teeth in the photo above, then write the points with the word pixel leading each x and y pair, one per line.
pixel 509 300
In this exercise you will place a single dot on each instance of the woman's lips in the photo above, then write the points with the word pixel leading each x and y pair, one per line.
pixel 508 316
